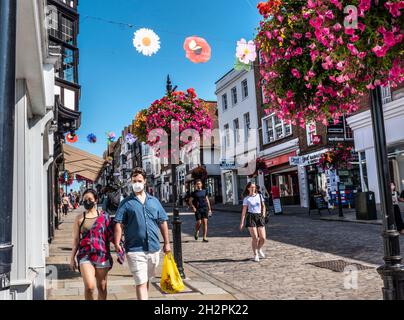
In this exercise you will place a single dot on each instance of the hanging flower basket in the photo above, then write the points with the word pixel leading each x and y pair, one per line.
pixel 185 108
pixel 317 60
pixel 339 157
pixel 67 182
pixel 80 178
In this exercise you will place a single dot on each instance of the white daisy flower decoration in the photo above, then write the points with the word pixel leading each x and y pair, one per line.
pixel 146 42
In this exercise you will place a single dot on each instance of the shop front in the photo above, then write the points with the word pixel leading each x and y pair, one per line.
pixel 279 173
pixel 314 180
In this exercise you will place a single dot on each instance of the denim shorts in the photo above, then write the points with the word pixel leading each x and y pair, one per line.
pixel 103 265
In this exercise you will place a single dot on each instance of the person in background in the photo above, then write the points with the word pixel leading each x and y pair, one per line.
pixel 253 218
pixel 92 234
pixel 141 216
pixel 200 204
pixel 65 203
pixel 397 213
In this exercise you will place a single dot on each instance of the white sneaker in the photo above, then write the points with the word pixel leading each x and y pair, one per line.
pixel 257 258
pixel 261 253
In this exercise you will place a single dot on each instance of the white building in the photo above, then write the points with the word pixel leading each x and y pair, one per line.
pixel 33 153
pixel 238 123
pixel 361 124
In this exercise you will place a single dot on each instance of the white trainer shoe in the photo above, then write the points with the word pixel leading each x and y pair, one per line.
pixel 262 254
pixel 257 258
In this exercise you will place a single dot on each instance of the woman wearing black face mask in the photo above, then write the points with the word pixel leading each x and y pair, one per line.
pixel 92 234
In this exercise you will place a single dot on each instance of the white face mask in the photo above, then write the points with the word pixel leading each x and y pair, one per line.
pixel 138 186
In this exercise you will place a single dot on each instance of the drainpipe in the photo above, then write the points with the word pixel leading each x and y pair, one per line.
pixel 8 34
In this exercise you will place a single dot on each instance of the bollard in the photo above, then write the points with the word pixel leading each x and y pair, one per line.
pixel 177 242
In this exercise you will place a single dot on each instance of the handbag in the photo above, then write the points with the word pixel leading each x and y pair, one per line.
pixel 264 212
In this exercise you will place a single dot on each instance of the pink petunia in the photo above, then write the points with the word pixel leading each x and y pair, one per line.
pixel 388 38
pixel 299 51
pixel 296 73
pixel 352 49
pixel 380 51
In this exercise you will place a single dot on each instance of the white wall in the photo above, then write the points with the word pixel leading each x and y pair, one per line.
pixel 69 99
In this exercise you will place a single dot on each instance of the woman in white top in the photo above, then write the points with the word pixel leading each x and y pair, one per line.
pixel 397 214
pixel 252 216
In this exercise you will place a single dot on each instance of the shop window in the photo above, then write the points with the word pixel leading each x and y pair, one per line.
pixel 275 129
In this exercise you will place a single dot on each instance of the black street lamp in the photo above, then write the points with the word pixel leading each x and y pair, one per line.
pixel 177 241
pixel 8 35
pixel 392 272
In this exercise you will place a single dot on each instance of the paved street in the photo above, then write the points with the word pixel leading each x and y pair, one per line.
pixel 222 268
pixel 69 285
pixel 294 242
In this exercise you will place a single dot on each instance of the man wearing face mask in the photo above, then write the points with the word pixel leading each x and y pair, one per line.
pixel 141 217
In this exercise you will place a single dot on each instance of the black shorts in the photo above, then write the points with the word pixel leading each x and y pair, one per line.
pixel 255 220
pixel 201 214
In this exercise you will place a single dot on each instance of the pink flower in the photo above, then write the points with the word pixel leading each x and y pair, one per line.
pixel 308 35
pixel 327 64
pixel 337 4
pixel 296 73
pixel 362 55
pixel 361 26
pixel 340 66
pixel 329 14
pixel 299 51
pixel 337 27
pixel 311 4
pixel 350 31
pixel 353 49
pixel 311 74
pixel 297 35
pixel 380 51
pixel 388 38
pixel 394 8
pixel 354 38
pixel 396 71
pixel 364 4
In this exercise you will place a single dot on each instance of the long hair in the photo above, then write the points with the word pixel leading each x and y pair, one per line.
pixel 246 192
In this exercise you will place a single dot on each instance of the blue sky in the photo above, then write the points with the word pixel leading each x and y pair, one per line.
pixel 117 81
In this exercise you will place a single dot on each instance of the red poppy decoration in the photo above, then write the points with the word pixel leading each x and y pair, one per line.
pixel 197 49
pixel 71 138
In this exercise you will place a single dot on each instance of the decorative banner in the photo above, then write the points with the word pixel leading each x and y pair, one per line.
pixel 130 138
pixel 71 138
pixel 111 137
pixel 246 53
pixel 92 138
pixel 197 49
pixel 146 42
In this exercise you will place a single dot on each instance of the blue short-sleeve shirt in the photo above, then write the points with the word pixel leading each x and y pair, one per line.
pixel 141 223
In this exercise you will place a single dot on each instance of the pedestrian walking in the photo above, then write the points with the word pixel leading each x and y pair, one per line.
pixel 92 235
pixel 141 216
pixel 397 213
pixel 200 204
pixel 253 217
pixel 65 204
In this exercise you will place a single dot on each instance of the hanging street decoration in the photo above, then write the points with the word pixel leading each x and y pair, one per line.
pixel 66 179
pixel 197 49
pixel 146 42
pixel 92 138
pixel 246 54
pixel 130 138
pixel 111 137
pixel 72 137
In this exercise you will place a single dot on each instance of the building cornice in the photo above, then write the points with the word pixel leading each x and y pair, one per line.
pixel 391 110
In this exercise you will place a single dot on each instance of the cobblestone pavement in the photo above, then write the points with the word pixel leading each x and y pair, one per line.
pixel 64 284
pixel 294 241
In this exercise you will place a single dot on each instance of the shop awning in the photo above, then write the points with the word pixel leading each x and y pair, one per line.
pixel 81 162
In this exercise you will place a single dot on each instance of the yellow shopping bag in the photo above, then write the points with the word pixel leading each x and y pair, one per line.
pixel 171 281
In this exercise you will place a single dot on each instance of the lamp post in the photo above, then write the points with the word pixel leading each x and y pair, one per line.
pixel 8 35
pixel 392 272
pixel 177 241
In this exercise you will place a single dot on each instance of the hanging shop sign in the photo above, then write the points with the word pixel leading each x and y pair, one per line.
pixel 228 164
pixel 279 160
pixel 307 160
pixel 316 139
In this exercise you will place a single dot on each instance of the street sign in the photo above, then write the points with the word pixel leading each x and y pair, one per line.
pixel 228 164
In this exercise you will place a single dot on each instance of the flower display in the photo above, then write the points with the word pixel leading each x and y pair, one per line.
pixel 197 49
pixel 92 138
pixel 80 178
pixel 130 138
pixel 317 61
pixel 183 107
pixel 72 138
pixel 66 180
pixel 111 136
pixel 146 42
pixel 246 54
pixel 339 157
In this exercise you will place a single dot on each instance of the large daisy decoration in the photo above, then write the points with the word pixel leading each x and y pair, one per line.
pixel 146 42
pixel 130 138
pixel 246 53
pixel 197 49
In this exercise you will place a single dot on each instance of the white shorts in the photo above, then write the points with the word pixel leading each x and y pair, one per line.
pixel 143 265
